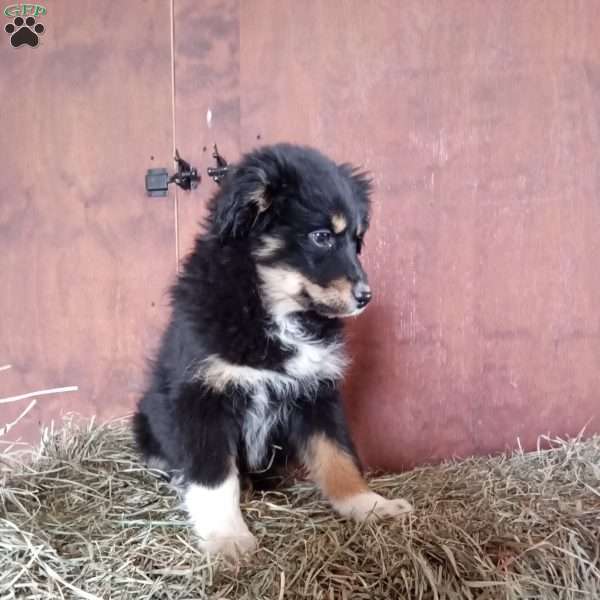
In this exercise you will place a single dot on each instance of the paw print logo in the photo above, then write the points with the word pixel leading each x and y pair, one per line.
pixel 24 31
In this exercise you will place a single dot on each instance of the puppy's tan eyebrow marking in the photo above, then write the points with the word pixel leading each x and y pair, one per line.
pixel 338 223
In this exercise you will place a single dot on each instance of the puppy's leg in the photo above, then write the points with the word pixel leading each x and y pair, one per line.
pixel 216 516
pixel 212 492
pixel 335 471
pixel 147 443
pixel 327 451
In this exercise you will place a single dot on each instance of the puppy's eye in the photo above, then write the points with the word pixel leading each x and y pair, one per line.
pixel 322 238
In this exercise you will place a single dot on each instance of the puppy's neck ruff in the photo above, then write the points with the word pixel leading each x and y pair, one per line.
pixel 310 361
pixel 313 357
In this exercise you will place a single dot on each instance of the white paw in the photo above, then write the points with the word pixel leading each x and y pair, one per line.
pixel 231 546
pixel 217 520
pixel 369 506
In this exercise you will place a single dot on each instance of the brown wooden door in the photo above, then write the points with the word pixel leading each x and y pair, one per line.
pixel 84 255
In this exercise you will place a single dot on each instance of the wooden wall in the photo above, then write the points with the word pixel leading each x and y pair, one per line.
pixel 480 122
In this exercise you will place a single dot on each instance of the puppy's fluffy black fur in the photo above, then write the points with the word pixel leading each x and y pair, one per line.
pixel 249 367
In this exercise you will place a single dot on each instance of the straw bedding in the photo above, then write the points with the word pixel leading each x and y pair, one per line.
pixel 85 520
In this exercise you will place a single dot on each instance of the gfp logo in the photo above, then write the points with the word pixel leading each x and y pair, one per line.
pixel 24 30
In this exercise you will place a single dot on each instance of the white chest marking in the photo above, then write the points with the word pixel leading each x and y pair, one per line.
pixel 313 358
pixel 272 393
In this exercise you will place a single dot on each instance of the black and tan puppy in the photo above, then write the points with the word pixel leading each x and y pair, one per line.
pixel 249 367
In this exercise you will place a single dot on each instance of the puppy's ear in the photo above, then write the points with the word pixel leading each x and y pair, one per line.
pixel 243 200
pixel 362 186
pixel 361 181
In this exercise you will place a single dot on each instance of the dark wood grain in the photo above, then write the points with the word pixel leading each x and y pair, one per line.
pixel 84 255
pixel 480 123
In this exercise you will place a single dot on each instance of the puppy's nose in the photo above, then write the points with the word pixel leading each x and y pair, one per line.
pixel 362 293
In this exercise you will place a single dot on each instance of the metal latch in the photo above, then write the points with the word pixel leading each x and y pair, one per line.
pixel 218 173
pixel 158 180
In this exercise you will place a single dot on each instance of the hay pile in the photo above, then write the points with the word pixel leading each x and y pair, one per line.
pixel 85 520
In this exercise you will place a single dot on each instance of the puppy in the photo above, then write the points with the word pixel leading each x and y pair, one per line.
pixel 248 372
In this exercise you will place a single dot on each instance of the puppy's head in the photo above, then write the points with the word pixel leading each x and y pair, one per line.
pixel 304 218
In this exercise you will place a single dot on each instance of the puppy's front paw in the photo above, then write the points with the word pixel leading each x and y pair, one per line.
pixel 369 506
pixel 217 519
pixel 230 546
